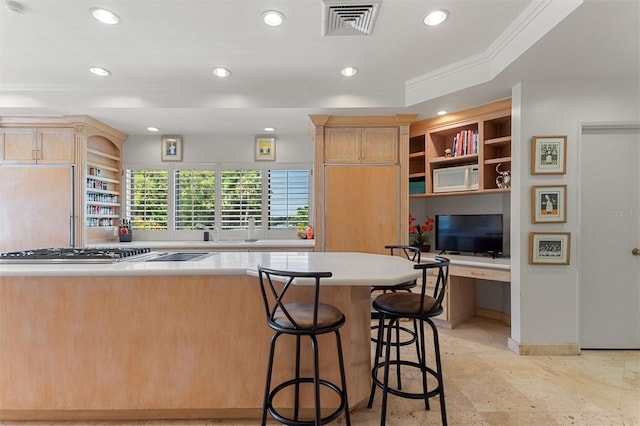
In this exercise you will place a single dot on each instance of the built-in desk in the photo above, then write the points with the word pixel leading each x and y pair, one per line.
pixel 460 300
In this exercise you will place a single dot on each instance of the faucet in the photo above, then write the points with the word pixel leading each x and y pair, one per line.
pixel 207 229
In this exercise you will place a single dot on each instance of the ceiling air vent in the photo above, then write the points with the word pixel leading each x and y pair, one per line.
pixel 349 17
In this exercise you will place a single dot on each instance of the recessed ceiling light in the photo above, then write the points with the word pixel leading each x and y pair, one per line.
pixel 269 129
pixel 102 72
pixel 273 18
pixel 221 72
pixel 105 16
pixel 14 7
pixel 349 71
pixel 442 112
pixel 153 129
pixel 436 17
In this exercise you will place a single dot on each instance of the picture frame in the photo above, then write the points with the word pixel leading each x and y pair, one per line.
pixel 265 149
pixel 171 148
pixel 548 155
pixel 549 248
pixel 549 204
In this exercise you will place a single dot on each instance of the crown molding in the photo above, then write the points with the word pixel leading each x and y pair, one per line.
pixel 540 17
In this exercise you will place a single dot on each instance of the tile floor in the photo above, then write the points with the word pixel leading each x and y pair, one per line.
pixel 486 384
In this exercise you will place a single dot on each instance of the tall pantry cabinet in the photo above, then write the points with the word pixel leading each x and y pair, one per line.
pixel 361 181
pixel 80 158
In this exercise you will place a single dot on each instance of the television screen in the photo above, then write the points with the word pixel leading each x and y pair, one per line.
pixel 475 233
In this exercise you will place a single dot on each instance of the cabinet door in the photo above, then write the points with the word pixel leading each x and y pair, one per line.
pixel 18 146
pixel 342 145
pixel 56 146
pixel 46 146
pixel 380 145
pixel 362 207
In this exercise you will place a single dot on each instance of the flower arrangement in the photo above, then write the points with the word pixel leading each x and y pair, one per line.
pixel 418 232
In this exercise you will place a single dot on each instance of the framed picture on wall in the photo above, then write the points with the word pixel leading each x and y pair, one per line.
pixel 265 149
pixel 548 155
pixel 549 248
pixel 549 204
pixel 171 148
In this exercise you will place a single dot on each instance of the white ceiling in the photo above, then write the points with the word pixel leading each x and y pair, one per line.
pixel 162 53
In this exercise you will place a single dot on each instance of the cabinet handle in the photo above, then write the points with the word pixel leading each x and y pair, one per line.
pixel 478 274
pixel 635 252
pixel 34 154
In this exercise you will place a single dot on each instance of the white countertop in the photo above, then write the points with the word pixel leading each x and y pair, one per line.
pixel 219 245
pixel 347 268
pixel 477 261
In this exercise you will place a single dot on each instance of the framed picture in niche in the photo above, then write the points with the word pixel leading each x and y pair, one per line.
pixel 548 155
pixel 549 204
pixel 549 248
pixel 171 148
pixel 265 149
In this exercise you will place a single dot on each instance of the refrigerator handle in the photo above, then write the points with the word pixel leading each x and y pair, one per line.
pixel 71 236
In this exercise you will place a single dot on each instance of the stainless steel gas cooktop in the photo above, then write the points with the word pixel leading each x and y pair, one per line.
pixel 74 255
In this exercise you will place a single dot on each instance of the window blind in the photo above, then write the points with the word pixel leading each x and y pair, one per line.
pixel 147 199
pixel 195 198
pixel 240 198
pixel 288 198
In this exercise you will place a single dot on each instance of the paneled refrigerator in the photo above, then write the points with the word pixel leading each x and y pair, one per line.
pixel 37 206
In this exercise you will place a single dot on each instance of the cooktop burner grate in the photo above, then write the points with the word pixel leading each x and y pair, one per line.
pixel 80 255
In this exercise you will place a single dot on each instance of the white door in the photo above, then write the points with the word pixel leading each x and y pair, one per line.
pixel 609 287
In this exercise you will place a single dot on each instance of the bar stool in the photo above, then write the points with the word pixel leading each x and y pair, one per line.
pixel 300 319
pixel 421 307
pixel 413 254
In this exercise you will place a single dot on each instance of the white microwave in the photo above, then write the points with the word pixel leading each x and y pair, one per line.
pixel 459 178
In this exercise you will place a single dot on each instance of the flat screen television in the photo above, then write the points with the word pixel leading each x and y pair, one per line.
pixel 475 233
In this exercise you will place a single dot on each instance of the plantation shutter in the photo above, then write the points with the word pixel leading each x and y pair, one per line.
pixel 195 198
pixel 147 199
pixel 288 199
pixel 240 197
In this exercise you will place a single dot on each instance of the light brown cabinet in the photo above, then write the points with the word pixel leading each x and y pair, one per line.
pixel 361 177
pixel 479 137
pixel 93 147
pixel 361 145
pixel 38 146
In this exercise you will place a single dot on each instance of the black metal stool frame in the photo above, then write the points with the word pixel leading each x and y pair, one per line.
pixel 278 312
pixel 413 254
pixel 421 313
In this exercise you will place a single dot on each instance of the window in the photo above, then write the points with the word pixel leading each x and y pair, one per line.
pixel 147 199
pixel 195 198
pixel 169 202
pixel 240 198
pixel 288 198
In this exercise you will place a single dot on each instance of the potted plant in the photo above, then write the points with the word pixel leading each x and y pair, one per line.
pixel 418 233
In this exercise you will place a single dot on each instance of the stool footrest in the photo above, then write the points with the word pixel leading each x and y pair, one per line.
pixel 410 341
pixel 294 422
pixel 411 395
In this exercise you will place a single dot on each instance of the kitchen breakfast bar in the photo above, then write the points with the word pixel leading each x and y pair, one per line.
pixel 162 340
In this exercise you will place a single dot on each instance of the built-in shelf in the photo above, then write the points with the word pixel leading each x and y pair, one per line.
pixel 485 133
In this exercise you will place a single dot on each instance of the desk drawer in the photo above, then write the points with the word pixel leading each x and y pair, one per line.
pixel 480 273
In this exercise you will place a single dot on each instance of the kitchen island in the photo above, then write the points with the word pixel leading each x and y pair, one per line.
pixel 145 340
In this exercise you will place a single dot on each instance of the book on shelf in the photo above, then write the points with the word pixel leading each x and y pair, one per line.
pixel 465 143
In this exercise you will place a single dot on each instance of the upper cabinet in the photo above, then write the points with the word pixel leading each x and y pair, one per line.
pixel 37 145
pixel 462 152
pixel 361 145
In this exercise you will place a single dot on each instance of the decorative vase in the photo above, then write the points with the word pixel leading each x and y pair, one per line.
pixel 424 247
